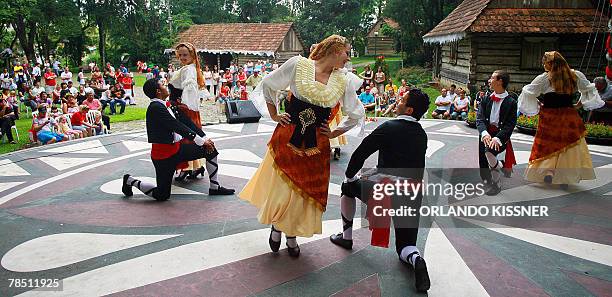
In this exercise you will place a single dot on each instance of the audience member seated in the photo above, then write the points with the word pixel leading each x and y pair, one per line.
pixel 94 104
pixel 392 99
pixel 73 90
pixel 41 125
pixel 56 95
pixel 54 113
pixel 452 92
pixel 369 103
pixel 373 89
pixel 79 122
pixel 461 106
pixel 479 97
pixel 64 90
pixel 603 114
pixel 63 128
pixel 71 105
pixel 37 89
pixel 81 95
pixel 390 86
pixel 403 89
pixel 443 104
pixel 28 99
pixel 117 95
pixel 44 99
pixel 7 120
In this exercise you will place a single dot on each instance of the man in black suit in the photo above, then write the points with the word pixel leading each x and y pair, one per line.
pixel 401 144
pixel 495 121
pixel 164 131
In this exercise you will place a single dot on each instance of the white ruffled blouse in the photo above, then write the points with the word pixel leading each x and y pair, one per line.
pixel 298 73
pixel 187 80
pixel 528 101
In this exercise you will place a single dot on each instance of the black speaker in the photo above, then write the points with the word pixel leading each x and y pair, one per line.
pixel 241 111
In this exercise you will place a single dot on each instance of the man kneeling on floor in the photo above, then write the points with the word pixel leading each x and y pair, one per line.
pixel 401 144
pixel 164 131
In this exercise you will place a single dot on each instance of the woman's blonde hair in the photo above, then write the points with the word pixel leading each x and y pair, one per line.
pixel 561 77
pixel 196 60
pixel 330 45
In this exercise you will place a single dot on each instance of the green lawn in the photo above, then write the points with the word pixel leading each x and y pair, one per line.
pixel 25 123
pixel 432 93
pixel 139 79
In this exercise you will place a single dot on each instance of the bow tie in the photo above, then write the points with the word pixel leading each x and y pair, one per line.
pixel 495 98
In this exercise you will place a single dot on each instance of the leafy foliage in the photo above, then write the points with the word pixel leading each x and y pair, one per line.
pixel 414 75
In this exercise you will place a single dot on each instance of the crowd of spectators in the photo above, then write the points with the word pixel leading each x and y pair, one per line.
pixel 41 89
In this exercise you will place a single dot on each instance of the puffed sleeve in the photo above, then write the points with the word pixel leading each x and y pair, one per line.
pixel 588 93
pixel 278 79
pixel 189 84
pixel 528 100
pixel 351 105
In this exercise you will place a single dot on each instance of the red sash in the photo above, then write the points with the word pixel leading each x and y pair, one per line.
pixel 510 159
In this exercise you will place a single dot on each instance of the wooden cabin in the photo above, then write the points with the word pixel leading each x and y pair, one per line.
pixel 222 43
pixel 481 36
pixel 378 43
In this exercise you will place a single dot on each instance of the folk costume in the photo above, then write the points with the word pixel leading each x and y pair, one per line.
pixel 165 132
pixel 185 83
pixel 559 149
pixel 336 143
pixel 189 118
pixel 290 186
pixel 401 157
pixel 496 117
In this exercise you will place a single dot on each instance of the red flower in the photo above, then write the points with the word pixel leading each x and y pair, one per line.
pixel 168 104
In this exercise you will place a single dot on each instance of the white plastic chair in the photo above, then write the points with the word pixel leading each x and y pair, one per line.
pixel 91 118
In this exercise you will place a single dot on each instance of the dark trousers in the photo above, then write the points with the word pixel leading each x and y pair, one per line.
pixel 106 121
pixel 164 169
pixel 6 122
pixel 113 104
pixel 485 171
pixel 406 228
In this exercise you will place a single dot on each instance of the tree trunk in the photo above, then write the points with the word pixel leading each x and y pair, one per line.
pixel 101 40
pixel 26 38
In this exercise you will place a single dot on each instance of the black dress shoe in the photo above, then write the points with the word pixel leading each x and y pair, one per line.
pixel 183 175
pixel 293 252
pixel 548 179
pixel 274 245
pixel 339 241
pixel 421 276
pixel 125 188
pixel 337 154
pixel 194 174
pixel 221 191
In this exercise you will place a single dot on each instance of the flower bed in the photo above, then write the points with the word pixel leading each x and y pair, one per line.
pixel 596 133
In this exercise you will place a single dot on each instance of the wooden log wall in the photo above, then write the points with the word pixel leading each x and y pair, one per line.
pixel 499 51
pixel 456 73
pixel 381 45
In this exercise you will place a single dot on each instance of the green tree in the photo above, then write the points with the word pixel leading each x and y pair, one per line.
pixel 321 18
pixel 416 18
pixel 204 11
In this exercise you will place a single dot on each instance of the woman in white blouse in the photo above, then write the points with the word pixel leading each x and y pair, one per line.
pixel 559 154
pixel 189 79
pixel 290 187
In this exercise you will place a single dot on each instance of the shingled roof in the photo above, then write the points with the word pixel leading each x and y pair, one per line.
pixel 474 16
pixel 238 38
